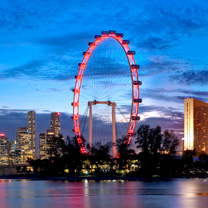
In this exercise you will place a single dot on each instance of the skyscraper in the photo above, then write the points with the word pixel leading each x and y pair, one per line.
pixel 55 123
pixel 46 144
pixel 46 140
pixel 4 150
pixel 24 143
pixel 22 138
pixel 42 145
pixel 26 140
pixel 195 125
pixel 31 130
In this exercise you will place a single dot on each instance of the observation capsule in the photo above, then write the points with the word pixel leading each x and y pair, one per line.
pixel 135 66
pixel 131 134
pixel 111 32
pixel 119 35
pixel 104 32
pixel 90 43
pixel 135 118
pixel 138 100
pixel 137 83
pixel 131 52
pixel 125 42
pixel 97 36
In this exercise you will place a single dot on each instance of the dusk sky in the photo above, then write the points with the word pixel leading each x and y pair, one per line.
pixel 41 43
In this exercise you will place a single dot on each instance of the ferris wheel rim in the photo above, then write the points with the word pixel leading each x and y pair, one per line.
pixel 135 85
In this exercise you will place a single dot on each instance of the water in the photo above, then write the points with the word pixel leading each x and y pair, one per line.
pixel 182 193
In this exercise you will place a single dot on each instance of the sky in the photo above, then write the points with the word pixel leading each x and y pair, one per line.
pixel 41 43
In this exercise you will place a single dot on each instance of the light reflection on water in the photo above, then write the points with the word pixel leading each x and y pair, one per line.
pixel 181 193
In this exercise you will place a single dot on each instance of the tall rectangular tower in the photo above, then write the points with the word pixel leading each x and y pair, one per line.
pixel 32 130
pixel 195 125
pixel 4 150
pixel 42 145
pixel 24 144
pixel 55 123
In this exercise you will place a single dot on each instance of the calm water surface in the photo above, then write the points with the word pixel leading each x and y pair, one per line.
pixel 185 193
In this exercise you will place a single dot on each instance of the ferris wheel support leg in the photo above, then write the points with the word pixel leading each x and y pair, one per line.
pixel 90 127
pixel 114 129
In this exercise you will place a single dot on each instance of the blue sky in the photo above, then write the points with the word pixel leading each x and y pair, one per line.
pixel 41 43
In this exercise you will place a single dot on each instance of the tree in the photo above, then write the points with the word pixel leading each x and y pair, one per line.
pixel 99 156
pixel 149 139
pixel 169 142
pixel 155 150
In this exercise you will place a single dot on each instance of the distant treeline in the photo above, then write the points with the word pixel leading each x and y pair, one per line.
pixel 156 158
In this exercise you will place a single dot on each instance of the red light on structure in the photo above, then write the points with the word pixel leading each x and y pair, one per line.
pixel 2 135
pixel 58 114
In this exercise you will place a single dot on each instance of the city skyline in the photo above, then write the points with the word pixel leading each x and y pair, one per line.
pixel 41 50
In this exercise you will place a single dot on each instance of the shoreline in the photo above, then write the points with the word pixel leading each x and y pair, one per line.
pixel 93 178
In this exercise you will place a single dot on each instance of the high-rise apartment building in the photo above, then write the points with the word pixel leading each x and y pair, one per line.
pixel 195 125
pixel 55 123
pixel 31 130
pixel 4 150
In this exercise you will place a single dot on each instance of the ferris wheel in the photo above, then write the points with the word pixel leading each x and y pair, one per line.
pixel 104 75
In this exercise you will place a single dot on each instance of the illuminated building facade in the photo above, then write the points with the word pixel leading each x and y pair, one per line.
pixel 15 156
pixel 46 140
pixel 42 145
pixel 24 143
pixel 46 144
pixel 195 125
pixel 4 150
pixel 26 139
pixel 22 138
pixel 50 134
pixel 31 130
pixel 55 123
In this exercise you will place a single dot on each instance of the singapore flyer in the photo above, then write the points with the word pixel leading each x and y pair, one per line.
pixel 111 81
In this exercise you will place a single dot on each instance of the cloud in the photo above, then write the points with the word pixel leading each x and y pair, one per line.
pixel 161 25
pixel 53 69
pixel 11 119
pixel 191 77
pixel 161 95
pixel 175 95
pixel 154 43
pixel 67 41
pixel 166 123
pixel 194 92
pixel 158 64
pixel 101 67
pixel 52 89
pixel 61 30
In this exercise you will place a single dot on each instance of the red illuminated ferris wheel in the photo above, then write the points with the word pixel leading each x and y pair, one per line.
pixel 135 100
